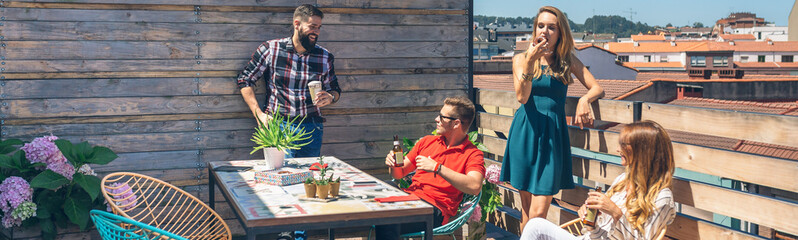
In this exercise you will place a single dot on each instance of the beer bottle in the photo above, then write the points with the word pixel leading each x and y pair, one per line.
pixel 398 153
pixel 590 217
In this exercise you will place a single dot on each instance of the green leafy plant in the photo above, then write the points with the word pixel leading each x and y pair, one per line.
pixel 271 134
pixel 309 180
pixel 322 172
pixel 54 180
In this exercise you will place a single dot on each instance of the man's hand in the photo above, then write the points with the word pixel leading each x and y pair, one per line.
pixel 263 117
pixel 389 161
pixel 425 163
pixel 323 98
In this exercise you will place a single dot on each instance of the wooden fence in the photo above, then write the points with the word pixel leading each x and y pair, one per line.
pixel 695 197
pixel 154 80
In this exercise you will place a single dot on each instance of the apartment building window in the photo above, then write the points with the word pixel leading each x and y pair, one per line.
pixel 663 59
pixel 623 58
pixel 720 61
pixel 647 58
pixel 760 58
pixel 786 58
pixel 698 61
pixel 744 59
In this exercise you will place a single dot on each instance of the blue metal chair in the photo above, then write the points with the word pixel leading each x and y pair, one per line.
pixel 115 227
pixel 467 207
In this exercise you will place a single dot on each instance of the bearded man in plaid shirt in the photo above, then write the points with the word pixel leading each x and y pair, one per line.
pixel 287 65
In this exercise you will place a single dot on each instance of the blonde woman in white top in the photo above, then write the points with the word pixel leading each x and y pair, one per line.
pixel 639 204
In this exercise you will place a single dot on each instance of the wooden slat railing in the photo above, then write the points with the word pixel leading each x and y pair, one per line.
pixel 756 169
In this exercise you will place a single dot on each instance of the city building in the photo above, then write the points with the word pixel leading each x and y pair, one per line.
pixel 735 37
pixel 485 44
pixel 792 23
pixel 778 34
pixel 603 64
pixel 738 23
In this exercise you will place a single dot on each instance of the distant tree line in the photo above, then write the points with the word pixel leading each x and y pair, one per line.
pixel 596 24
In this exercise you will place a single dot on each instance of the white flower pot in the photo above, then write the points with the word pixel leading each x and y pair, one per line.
pixel 273 158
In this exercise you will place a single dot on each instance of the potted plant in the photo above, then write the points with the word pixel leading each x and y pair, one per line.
pixel 335 185
pixel 275 138
pixel 310 188
pixel 322 184
pixel 322 188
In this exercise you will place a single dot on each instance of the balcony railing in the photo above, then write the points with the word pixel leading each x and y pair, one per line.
pixel 595 159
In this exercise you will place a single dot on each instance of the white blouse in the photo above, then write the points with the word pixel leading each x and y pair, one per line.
pixel 608 228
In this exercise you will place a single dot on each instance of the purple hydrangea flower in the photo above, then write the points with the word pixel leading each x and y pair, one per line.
pixel 59 164
pixel 9 221
pixel 13 192
pixel 476 216
pixel 492 174
pixel 124 196
pixel 44 150
pixel 40 149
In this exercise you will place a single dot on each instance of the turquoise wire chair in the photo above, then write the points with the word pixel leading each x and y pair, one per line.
pixel 470 203
pixel 467 207
pixel 115 227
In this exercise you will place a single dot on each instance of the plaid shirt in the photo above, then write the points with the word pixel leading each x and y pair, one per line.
pixel 287 75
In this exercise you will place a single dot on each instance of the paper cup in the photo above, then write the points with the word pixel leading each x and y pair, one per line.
pixel 314 87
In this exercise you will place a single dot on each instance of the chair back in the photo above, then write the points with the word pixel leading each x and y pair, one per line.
pixel 162 205
pixel 114 227
pixel 575 228
pixel 467 207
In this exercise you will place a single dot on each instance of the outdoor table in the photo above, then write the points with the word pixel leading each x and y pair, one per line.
pixel 263 208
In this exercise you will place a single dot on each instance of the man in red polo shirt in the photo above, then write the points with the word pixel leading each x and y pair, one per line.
pixel 446 165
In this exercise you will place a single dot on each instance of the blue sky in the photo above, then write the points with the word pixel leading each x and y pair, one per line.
pixel 657 12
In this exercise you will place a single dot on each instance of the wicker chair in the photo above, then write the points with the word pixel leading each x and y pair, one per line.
pixel 115 227
pixel 575 227
pixel 162 205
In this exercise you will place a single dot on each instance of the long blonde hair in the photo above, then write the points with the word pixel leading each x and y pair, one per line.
pixel 648 153
pixel 560 68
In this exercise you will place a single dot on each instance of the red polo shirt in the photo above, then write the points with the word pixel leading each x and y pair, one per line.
pixel 434 189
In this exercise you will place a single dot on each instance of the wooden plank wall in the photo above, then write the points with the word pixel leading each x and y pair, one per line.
pixel 154 79
pixel 759 170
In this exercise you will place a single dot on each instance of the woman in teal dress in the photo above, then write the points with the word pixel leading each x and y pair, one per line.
pixel 537 160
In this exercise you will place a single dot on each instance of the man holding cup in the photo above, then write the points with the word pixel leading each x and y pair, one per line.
pixel 291 67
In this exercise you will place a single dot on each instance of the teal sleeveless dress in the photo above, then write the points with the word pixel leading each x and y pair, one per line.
pixel 538 154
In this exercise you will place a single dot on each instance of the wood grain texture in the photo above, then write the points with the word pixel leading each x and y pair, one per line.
pixel 395 99
pixel 147 31
pixel 114 119
pixel 347 50
pixel 146 87
pixel 285 4
pixel 44 108
pixel 209 73
pixel 731 124
pixel 186 15
pixel 53 50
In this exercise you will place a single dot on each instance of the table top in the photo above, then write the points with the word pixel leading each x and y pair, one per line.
pixel 264 204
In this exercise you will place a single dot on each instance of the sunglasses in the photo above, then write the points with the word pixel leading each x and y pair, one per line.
pixel 442 117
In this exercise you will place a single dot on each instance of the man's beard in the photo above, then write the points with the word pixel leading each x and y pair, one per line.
pixel 306 42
